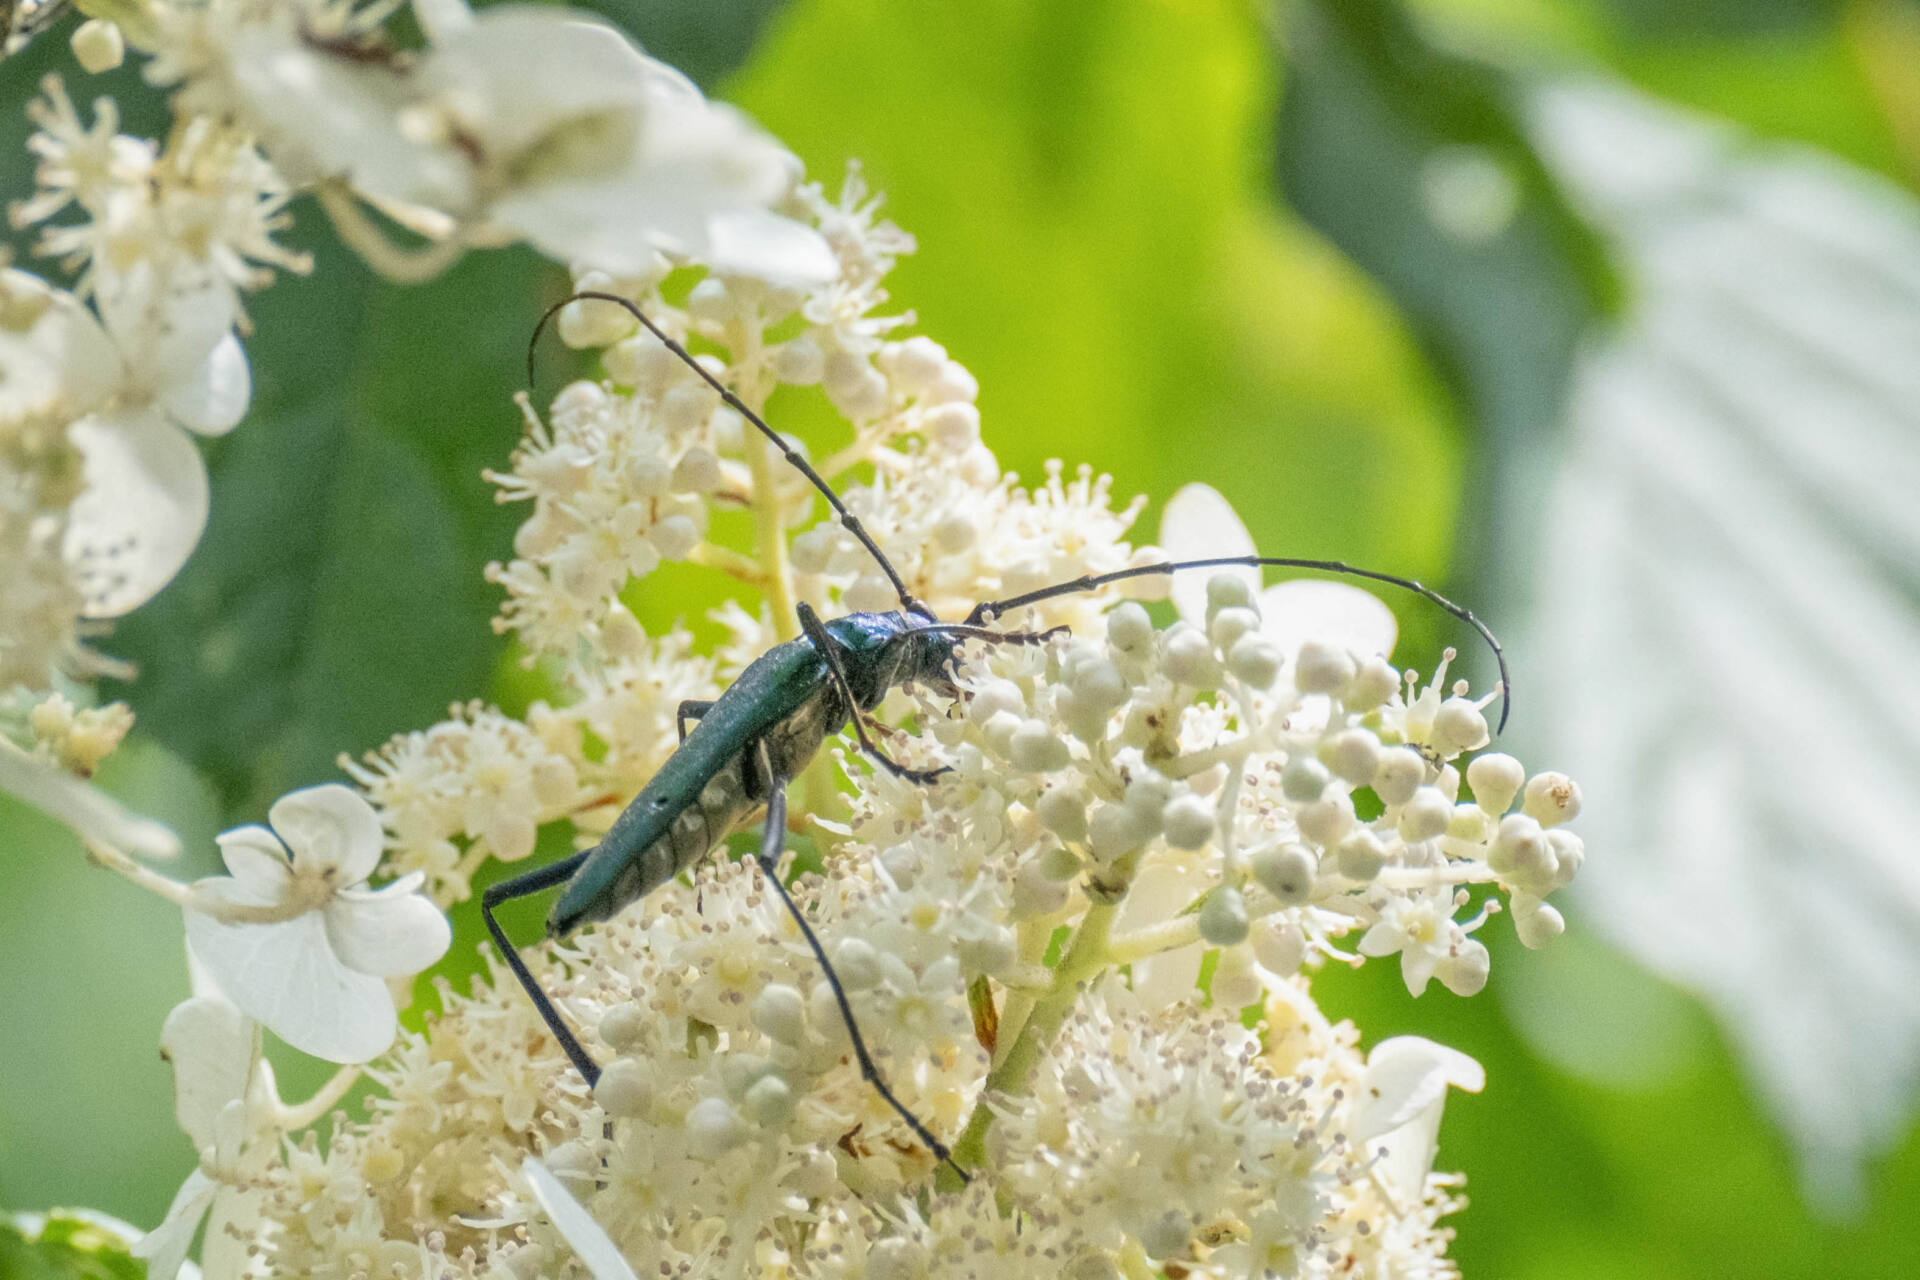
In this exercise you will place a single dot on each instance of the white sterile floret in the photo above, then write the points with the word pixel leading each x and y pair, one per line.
pixel 296 939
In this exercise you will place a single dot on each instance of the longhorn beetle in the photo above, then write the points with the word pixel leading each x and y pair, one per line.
pixel 746 746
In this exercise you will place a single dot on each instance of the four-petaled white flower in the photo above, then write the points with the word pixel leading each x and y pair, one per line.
pixel 1401 1098
pixel 295 937
pixel 223 1095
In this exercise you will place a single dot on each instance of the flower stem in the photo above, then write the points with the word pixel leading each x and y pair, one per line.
pixel 1086 956
pixel 289 1118
pixel 402 266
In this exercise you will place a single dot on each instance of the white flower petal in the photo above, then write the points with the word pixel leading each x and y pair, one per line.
pixel 232 1224
pixel 91 813
pixel 214 398
pixel 324 117
pixel 1406 1075
pixel 330 825
pixel 519 73
pixel 1199 524
pixel 590 1241
pixel 388 934
pixel 63 355
pixel 767 247
pixel 165 1247
pixel 1339 613
pixel 258 861
pixel 141 513
pixel 286 977
pixel 165 325
pixel 210 1044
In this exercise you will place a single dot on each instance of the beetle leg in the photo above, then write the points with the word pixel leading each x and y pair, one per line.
pixel 691 709
pixel 772 845
pixel 522 887
pixel 817 632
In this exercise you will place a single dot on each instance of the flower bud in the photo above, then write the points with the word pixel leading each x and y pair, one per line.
pixel 1229 591
pixel 1327 820
pixel 954 426
pixel 915 364
pixel 1063 812
pixel 624 1028
pixel 780 1013
pixel 1458 726
pixel 1425 815
pixel 688 407
pixel 1223 917
pixel 1287 872
pixel 1353 756
pixel 1551 799
pixel 1187 822
pixel 713 1128
pixel 510 835
pixel 1036 748
pixel 1279 945
pixel 1536 922
pixel 1235 982
pixel 799 362
pixel 857 963
pixel 1372 684
pixel 897 1258
pixel 770 1100
pixel 675 537
pixel 1189 658
pixel 1129 629
pixel 1115 830
pixel 698 471
pixel 1255 661
pixel 1322 668
pixel 1058 863
pixel 1569 854
pixel 1399 774
pixel 1229 624
pixel 625 1088
pixel 1303 779
pixel 98 45
pixel 1360 856
pixel 812 549
pixel 1495 778
pixel 1148 796
pixel 1465 971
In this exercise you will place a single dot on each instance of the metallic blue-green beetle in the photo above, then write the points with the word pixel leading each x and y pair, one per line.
pixel 760 734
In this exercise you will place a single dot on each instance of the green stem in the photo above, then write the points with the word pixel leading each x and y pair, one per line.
pixel 1085 958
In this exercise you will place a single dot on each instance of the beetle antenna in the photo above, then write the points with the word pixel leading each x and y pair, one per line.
pixel 848 521
pixel 1094 581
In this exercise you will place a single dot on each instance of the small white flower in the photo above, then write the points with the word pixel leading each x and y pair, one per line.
pixel 1200 524
pixel 596 153
pixel 1401 1097
pixel 295 938
pixel 222 1089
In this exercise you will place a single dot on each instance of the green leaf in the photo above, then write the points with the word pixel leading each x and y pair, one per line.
pixel 337 596
pixel 1412 160
pixel 68 1244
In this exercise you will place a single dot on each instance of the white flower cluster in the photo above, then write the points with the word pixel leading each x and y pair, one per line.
pixel 1021 941
pixel 518 123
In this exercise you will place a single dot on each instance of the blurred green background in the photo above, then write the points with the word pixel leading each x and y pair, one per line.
pixel 1175 239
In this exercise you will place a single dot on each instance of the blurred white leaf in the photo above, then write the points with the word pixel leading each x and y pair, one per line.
pixel 1725 584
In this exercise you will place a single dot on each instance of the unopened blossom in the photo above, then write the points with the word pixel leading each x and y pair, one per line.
pixel 295 938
